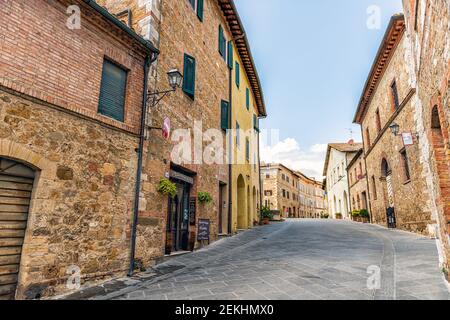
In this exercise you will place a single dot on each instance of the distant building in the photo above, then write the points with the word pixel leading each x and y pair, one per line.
pixel 290 194
pixel 337 159
pixel 357 180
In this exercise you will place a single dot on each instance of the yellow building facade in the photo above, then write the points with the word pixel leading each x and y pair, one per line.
pixel 245 178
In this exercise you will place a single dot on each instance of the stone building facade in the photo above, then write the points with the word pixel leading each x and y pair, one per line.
pixel 338 156
pixel 357 181
pixel 194 37
pixel 428 35
pixel 398 194
pixel 67 170
pixel 290 194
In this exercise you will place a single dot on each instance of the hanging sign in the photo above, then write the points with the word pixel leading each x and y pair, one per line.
pixel 166 128
pixel 408 139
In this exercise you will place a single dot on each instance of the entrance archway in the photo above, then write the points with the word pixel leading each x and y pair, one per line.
pixel 16 186
pixel 242 220
pixel 388 193
pixel 441 159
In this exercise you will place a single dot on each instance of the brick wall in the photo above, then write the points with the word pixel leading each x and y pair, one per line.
pixel 43 58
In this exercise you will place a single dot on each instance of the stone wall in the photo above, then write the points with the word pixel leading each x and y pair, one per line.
pixel 410 196
pixel 429 39
pixel 82 199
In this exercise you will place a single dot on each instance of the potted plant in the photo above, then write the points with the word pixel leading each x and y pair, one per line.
pixel 266 215
pixel 326 215
pixel 364 214
pixel 167 187
pixel 355 215
pixel 339 216
pixel 204 197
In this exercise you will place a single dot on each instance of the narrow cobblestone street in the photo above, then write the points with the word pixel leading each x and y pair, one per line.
pixel 300 260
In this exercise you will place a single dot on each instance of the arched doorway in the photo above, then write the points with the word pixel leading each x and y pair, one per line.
pixel 241 204
pixel 346 210
pixel 440 157
pixel 16 186
pixel 388 193
pixel 335 206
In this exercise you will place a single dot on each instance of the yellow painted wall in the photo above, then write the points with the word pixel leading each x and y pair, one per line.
pixel 245 174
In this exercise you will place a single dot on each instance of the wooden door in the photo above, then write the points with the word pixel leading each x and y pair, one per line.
pixel 16 184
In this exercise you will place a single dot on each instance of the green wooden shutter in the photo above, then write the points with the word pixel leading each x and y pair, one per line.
pixel 112 91
pixel 222 42
pixel 224 109
pixel 189 76
pixel 192 3
pixel 247 149
pixel 238 74
pixel 200 9
pixel 255 123
pixel 230 54
pixel 247 98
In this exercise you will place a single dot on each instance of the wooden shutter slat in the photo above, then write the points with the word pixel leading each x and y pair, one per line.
pixel 112 91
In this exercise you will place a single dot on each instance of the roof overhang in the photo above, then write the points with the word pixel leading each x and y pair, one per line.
pixel 145 44
pixel 240 39
pixel 392 37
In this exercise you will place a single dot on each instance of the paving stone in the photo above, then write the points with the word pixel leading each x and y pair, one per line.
pixel 305 260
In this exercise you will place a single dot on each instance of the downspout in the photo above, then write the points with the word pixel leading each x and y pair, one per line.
pixel 148 61
pixel 369 200
pixel 230 156
pixel 259 178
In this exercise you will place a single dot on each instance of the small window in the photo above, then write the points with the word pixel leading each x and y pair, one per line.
pixel 405 165
pixel 197 5
pixel 238 134
pixel 267 176
pixel 255 123
pixel 395 99
pixel 378 120
pixel 230 56
pixel 374 188
pixel 247 98
pixel 247 149
pixel 112 91
pixel 224 110
pixel 238 74
pixel 368 138
pixel 189 76
pixel 222 43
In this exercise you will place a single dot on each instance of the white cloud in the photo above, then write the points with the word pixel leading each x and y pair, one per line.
pixel 289 153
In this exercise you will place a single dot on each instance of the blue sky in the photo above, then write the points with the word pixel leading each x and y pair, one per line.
pixel 313 58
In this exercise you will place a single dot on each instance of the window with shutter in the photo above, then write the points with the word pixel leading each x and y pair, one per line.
pixel 189 76
pixel 199 9
pixel 247 98
pixel 247 149
pixel 230 54
pixel 112 91
pixel 238 132
pixel 255 123
pixel 224 109
pixel 222 42
pixel 238 74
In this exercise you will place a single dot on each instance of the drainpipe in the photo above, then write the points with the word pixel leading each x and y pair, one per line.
pixel 369 200
pixel 259 178
pixel 230 156
pixel 148 61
